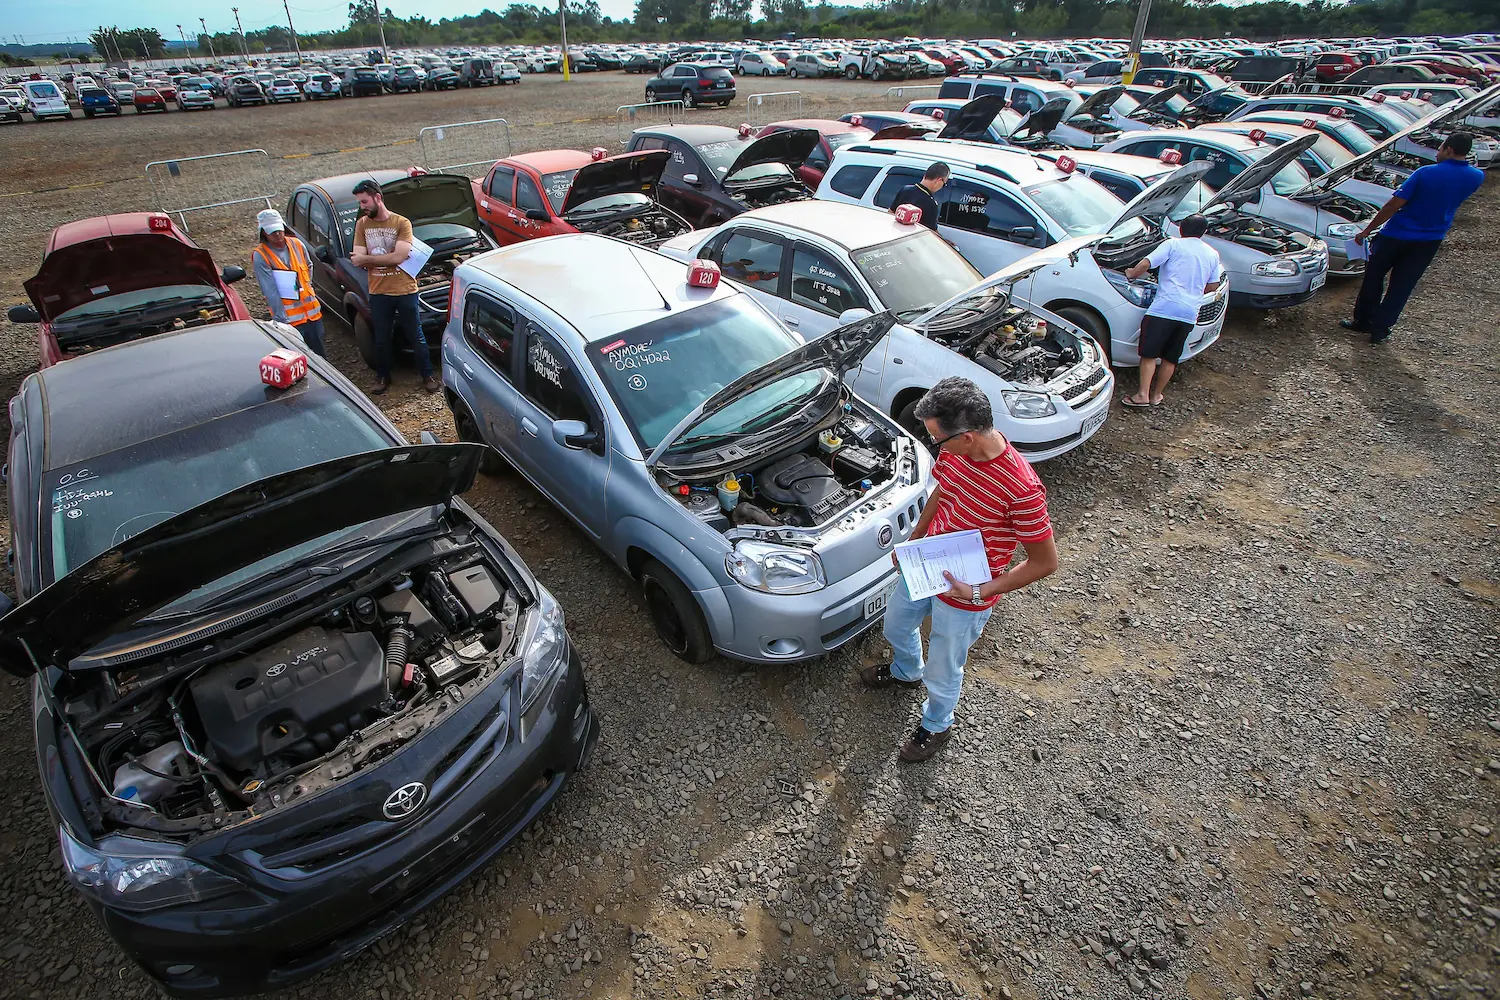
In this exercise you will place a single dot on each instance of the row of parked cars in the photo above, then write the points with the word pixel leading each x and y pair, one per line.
pixel 288 683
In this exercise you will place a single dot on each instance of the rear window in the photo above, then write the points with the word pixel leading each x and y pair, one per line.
pixel 714 72
pixel 853 181
pixel 954 88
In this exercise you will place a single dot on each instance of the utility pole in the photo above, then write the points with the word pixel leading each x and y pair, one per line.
pixel 562 20
pixel 211 54
pixel 183 35
pixel 145 44
pixel 385 53
pixel 1137 38
pixel 244 45
pixel 295 47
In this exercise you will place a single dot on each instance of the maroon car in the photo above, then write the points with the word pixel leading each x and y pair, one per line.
pixel 832 136
pixel 149 99
pixel 114 278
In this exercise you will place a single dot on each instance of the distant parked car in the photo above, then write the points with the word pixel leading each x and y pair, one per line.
pixel 811 64
pixel 404 80
pixel 322 86
pixel 1332 67
pixel 11 108
pixel 1104 71
pixel 760 64
pixel 508 73
pixel 193 94
pixel 477 72
pixel 97 101
pixel 363 81
pixel 281 89
pixel 642 62
pixel 693 84
pixel 241 91
pixel 45 100
pixel 149 99
pixel 441 78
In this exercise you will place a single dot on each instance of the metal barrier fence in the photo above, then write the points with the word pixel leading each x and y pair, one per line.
pixel 465 147
pixel 763 108
pixel 214 180
pixel 1285 85
pixel 1333 89
pixel 905 95
pixel 629 117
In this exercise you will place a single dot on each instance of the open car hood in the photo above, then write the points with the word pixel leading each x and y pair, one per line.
pixel 1252 177
pixel 1098 104
pixel 433 199
pixel 627 173
pixel 1208 97
pixel 972 121
pixel 1453 114
pixel 116 588
pixel 790 147
pixel 838 351
pixel 1157 200
pixel 1159 99
pixel 907 130
pixel 1009 275
pixel 1330 179
pixel 83 272
pixel 1044 119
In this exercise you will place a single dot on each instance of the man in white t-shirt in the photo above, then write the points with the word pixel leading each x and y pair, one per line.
pixel 1186 270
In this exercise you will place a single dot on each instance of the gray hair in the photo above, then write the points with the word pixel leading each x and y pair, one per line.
pixel 958 405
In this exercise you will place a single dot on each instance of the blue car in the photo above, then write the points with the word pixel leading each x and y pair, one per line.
pixel 97 101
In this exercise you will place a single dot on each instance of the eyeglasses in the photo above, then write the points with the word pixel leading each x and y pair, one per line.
pixel 950 437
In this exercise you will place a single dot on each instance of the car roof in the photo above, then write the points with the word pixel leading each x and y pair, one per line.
pixel 693 135
pixel 906 117
pixel 214 370
pixel 104 226
pixel 627 286
pixel 968 154
pixel 852 227
pixel 340 187
pixel 1131 166
pixel 827 126
pixel 546 161
pixel 1239 143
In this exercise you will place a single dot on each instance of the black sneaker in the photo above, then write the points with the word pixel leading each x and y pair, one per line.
pixel 923 745
pixel 381 385
pixel 1349 324
pixel 880 676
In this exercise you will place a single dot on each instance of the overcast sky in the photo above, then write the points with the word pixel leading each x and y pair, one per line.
pixel 57 22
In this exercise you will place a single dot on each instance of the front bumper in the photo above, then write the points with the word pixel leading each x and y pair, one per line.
pixel 298 916
pixel 1048 437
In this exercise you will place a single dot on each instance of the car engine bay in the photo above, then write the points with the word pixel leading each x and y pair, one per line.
pixel 648 225
pixel 1256 233
pixel 451 244
pixel 761 195
pixel 84 337
pixel 261 727
pixel 1021 348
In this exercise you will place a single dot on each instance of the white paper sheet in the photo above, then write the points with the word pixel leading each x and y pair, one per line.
pixel 420 254
pixel 1356 250
pixel 923 560
pixel 286 284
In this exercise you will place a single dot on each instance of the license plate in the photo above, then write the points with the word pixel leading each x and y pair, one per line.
pixel 875 604
pixel 720 85
pixel 1093 423
pixel 1319 281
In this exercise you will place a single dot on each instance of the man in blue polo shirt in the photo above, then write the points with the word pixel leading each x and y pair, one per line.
pixel 1415 219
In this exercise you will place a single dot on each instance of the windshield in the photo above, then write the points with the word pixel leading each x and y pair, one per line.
pixel 43 90
pixel 839 140
pixel 1192 203
pixel 618 202
pixel 109 305
pixel 658 372
pixel 1289 179
pixel 99 503
pixel 556 185
pixel 915 272
pixel 1082 209
pixel 1124 105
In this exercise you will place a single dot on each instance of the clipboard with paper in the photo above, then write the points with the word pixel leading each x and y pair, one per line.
pixel 286 284
pixel 923 560
pixel 420 254
pixel 1356 249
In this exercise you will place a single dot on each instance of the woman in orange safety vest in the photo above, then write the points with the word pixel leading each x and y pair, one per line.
pixel 283 271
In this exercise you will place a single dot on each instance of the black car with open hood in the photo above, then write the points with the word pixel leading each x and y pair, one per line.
pixel 617 196
pixel 287 681
pixel 715 172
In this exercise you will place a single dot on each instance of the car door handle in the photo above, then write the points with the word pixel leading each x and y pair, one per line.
pixel 528 426
pixel 468 372
pixel 792 321
pixel 897 361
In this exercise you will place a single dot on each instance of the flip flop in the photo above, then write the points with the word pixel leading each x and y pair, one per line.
pixel 1134 405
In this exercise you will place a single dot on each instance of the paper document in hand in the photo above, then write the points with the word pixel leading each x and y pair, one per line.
pixel 286 284
pixel 923 560
pixel 417 259
pixel 1356 250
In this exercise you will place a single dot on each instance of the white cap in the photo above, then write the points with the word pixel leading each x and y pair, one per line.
pixel 270 221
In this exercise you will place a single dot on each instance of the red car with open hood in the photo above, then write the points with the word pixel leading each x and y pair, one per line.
pixel 114 278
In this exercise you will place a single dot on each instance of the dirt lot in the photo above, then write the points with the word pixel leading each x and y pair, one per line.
pixel 1244 744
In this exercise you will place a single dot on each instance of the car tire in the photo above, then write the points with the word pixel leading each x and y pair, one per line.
pixel 851 72
pixel 1091 325
pixel 877 74
pixel 364 340
pixel 675 614
pixel 688 101
pixel 493 463
pixel 650 97
pixel 791 74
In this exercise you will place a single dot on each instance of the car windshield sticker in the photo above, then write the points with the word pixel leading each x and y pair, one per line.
pixel 625 357
pixel 545 364
pixel 347 218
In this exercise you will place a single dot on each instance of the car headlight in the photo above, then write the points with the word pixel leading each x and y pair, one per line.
pixel 543 656
pixel 1276 268
pixel 775 569
pixel 138 875
pixel 1028 405
pixel 1344 230
pixel 1140 293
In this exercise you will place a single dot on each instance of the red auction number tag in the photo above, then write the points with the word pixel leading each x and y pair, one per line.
pixel 283 368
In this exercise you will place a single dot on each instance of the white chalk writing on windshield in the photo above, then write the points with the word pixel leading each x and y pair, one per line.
pixel 637 356
pixel 544 364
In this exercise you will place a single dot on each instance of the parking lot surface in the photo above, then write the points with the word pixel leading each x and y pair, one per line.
pixel 1245 743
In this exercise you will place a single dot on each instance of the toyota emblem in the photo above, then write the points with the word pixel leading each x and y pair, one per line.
pixel 405 800
pixel 885 535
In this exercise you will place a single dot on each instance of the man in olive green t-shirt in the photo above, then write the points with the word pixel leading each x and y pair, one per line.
pixel 382 240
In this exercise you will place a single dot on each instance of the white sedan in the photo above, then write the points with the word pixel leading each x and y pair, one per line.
pixel 282 89
pixel 820 265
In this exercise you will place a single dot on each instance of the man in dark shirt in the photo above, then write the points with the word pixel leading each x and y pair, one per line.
pixel 920 194
pixel 1415 220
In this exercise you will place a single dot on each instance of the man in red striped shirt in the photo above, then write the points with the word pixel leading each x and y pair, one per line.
pixel 982 483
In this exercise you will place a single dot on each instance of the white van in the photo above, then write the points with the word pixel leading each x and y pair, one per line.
pixel 47 100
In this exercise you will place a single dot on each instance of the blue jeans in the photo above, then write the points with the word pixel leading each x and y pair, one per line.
pixel 385 312
pixel 953 632
pixel 312 336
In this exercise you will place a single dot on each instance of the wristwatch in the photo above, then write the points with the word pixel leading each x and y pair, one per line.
pixel 976 598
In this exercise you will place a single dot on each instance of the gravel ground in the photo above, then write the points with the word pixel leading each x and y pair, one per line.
pixel 1244 744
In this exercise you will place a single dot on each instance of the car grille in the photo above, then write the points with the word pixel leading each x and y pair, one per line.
pixel 1083 388
pixel 1212 311
pixel 435 299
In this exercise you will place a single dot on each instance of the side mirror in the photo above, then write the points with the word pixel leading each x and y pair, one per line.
pixel 1023 233
pixel 537 215
pixel 691 179
pixel 324 254
pixel 232 273
pixel 23 314
pixel 574 434
pixel 853 315
pixel 429 438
